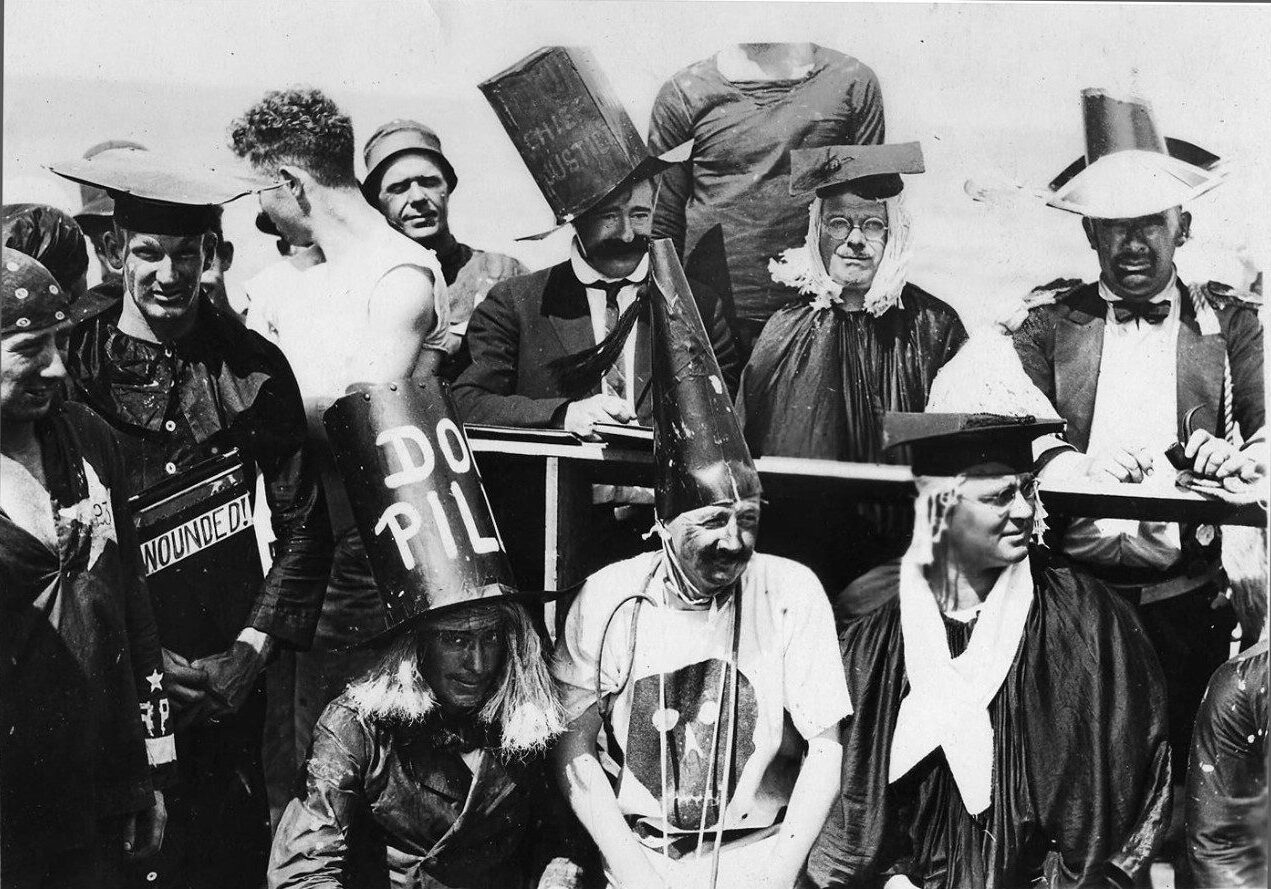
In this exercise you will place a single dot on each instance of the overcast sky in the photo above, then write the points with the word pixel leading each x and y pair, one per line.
pixel 987 88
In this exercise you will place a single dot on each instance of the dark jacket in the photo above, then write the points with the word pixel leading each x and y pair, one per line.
pixel 385 805
pixel 527 322
pixel 1227 778
pixel 77 643
pixel 1061 347
pixel 219 387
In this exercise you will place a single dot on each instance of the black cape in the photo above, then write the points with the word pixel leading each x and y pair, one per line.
pixel 1081 757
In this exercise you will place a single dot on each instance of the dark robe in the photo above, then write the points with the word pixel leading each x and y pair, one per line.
pixel 1081 759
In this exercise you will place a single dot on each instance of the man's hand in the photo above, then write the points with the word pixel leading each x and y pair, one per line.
pixel 581 417
pixel 1130 465
pixel 1217 458
pixel 232 674
pixel 186 686
pixel 143 831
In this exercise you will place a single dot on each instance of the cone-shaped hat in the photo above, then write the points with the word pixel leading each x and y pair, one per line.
pixel 417 498
pixel 1129 170
pixel 698 445
pixel 571 130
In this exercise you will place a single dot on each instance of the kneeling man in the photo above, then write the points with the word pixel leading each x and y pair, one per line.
pixel 711 671
pixel 1010 713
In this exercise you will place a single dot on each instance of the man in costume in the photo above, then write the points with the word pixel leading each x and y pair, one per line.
pixel 855 340
pixel 374 309
pixel 182 383
pixel 411 181
pixel 710 670
pixel 78 648
pixel 1009 712
pixel 746 109
pixel 429 769
pixel 1135 362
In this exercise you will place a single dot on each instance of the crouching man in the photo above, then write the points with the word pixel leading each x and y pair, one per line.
pixel 708 670
pixel 428 771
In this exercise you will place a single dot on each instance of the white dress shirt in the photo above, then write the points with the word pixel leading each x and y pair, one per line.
pixel 596 302
pixel 1136 406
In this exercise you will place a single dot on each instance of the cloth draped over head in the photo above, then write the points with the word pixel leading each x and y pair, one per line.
pixel 31 300
pixel 869 171
pixel 700 453
pixel 49 235
pixel 1128 169
pixel 571 130
pixel 159 194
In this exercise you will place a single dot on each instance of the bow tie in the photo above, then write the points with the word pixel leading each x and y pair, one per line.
pixel 1152 313
pixel 611 288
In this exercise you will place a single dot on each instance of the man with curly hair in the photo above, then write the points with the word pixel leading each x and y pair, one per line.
pixel 373 310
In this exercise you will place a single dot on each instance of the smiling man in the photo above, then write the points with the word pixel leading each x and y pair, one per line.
pixel 709 670
pixel 1009 711
pixel 1137 361
pixel 181 382
pixel 411 181
pixel 78 647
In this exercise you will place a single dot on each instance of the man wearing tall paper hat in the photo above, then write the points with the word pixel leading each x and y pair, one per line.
pixel 1008 709
pixel 411 181
pixel 710 671
pixel 429 769
pixel 80 767
pixel 1140 360
pixel 182 383
pixel 568 347
pixel 855 339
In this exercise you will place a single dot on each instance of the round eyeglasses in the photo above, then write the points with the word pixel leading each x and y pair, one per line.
pixel 1002 501
pixel 840 229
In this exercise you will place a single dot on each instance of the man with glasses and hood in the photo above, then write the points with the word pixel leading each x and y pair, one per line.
pixel 709 672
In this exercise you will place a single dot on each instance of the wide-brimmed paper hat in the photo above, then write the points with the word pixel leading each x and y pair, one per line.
pixel 698 446
pixel 1129 170
pixel 571 130
pixel 418 500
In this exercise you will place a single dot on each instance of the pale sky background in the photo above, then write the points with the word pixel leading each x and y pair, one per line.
pixel 989 89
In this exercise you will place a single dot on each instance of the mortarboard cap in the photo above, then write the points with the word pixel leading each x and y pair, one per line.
pixel 158 194
pixel 96 201
pixel 871 171
pixel 946 444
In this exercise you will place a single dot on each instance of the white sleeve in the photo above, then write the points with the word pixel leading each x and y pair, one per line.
pixel 815 684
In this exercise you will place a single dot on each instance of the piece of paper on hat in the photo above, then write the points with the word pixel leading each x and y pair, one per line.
pixel 1128 170
pixel 153 176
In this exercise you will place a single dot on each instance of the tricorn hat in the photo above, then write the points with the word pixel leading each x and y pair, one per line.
pixel 160 194
pixel 698 446
pixel 947 444
pixel 417 499
pixel 872 171
pixel 1128 169
pixel 570 129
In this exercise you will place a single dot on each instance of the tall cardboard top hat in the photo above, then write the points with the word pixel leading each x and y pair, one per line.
pixel 871 171
pixel 570 129
pixel 698 446
pixel 947 444
pixel 1129 170
pixel 160 194
pixel 417 499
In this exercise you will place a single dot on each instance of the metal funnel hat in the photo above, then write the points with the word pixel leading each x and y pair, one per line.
pixel 1129 169
pixel 570 128
pixel 698 446
pixel 417 498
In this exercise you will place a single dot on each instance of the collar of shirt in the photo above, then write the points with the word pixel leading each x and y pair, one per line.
pixel 589 277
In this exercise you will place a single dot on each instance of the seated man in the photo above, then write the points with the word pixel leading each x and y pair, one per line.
pixel 428 770
pixel 1010 712
pixel 711 670
pixel 855 339
pixel 411 181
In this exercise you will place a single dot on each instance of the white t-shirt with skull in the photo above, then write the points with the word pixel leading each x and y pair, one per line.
pixel 791 676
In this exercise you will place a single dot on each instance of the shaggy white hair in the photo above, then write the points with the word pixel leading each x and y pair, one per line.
pixel 524 706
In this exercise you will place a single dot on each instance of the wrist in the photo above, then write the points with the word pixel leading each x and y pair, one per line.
pixel 261 643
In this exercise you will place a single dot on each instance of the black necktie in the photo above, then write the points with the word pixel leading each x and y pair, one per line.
pixel 1152 313
pixel 614 375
